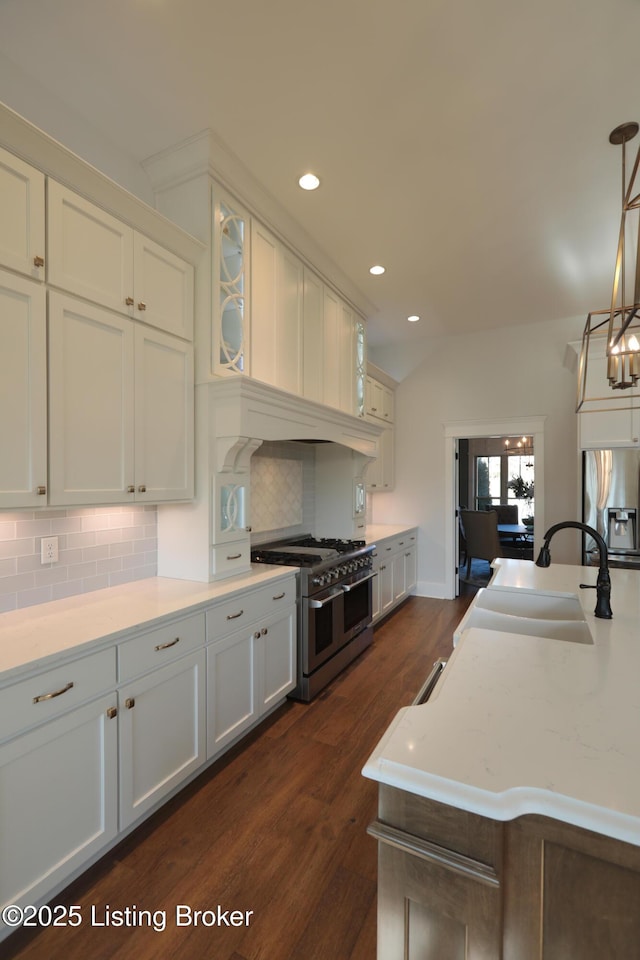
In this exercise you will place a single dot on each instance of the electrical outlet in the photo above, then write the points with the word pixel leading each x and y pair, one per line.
pixel 49 550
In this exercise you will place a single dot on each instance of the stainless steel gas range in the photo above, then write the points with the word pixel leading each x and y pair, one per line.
pixel 334 604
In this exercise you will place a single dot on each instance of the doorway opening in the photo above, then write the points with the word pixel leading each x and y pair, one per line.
pixel 487 469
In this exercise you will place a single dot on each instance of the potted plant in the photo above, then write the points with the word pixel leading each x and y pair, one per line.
pixel 522 490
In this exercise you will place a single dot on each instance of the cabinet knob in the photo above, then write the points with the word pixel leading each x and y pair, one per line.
pixel 142 305
pixel 264 631
pixel 38 261
pixel 256 635
pixel 131 489
pixel 41 491
pixel 130 703
pixel 112 712
pixel 142 488
pixel 129 301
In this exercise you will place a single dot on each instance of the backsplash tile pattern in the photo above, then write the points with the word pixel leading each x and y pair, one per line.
pixel 276 493
pixel 282 490
pixel 98 547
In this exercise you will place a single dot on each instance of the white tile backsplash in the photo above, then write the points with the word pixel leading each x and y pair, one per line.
pixel 98 547
pixel 282 490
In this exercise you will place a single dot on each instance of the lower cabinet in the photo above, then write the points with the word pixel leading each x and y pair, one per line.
pixel 93 744
pixel 58 800
pixel 162 733
pixel 248 672
pixel 394 560
pixel 458 885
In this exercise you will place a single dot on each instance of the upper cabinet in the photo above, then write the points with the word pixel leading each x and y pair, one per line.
pixel 120 408
pixel 379 400
pixel 230 268
pixel 606 418
pixel 276 312
pixel 96 256
pixel 96 406
pixel 23 392
pixel 22 244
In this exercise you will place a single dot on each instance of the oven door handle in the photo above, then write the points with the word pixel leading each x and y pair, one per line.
pixel 318 604
pixel 347 587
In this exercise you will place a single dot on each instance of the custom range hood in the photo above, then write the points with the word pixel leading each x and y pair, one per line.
pixel 210 538
pixel 241 407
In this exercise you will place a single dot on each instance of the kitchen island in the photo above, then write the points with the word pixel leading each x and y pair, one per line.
pixel 509 815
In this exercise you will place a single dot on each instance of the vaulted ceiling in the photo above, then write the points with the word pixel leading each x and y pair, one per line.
pixel 463 145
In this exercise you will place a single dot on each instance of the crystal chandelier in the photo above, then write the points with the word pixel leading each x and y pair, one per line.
pixel 621 319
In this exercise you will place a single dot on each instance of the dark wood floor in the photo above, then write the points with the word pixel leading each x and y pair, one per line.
pixel 277 827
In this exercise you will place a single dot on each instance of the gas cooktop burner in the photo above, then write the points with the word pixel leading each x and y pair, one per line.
pixel 306 551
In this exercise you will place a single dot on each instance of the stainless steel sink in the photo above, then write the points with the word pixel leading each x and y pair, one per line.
pixel 527 614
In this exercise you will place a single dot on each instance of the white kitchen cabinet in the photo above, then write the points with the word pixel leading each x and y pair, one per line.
pixel 395 561
pixel 277 650
pixel 276 312
pixel 163 288
pixel 609 428
pixel 230 287
pixel 96 256
pixel 251 661
pixel 89 252
pixel 120 408
pixel 331 317
pixel 164 416
pixel 381 473
pixel 379 400
pixel 313 337
pixel 346 358
pixel 91 396
pixel 58 775
pixel 22 241
pixel 23 392
pixel 231 689
pixel 162 733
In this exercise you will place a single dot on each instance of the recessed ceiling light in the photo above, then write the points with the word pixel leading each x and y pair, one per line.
pixel 309 181
pixel 376 271
pixel 413 319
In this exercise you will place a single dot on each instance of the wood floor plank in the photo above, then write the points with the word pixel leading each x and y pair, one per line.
pixel 277 827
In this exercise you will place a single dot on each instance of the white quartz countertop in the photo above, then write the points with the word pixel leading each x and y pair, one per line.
pixel 374 532
pixel 31 637
pixel 523 724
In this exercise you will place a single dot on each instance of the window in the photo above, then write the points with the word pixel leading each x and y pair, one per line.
pixel 493 476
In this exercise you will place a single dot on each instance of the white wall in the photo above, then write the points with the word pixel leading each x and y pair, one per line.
pixel 513 372
pixel 39 106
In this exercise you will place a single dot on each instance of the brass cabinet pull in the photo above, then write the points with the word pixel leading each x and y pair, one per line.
pixel 130 703
pixel 129 301
pixel 401 543
pixel 41 491
pixel 256 635
pixel 248 529
pixel 165 646
pixel 234 556
pixel 38 261
pixel 142 305
pixel 56 693
pixel 234 616
pixel 131 489
pixel 112 712
pixel 142 488
pixel 279 596
pixel 408 554
pixel 264 631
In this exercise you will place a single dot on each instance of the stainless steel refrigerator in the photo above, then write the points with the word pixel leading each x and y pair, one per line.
pixel 610 504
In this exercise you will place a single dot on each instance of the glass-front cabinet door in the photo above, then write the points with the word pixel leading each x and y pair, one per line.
pixel 230 285
pixel 230 495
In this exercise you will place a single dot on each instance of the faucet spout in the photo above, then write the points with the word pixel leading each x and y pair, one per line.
pixel 603 584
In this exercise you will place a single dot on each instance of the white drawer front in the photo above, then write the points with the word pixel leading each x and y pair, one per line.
pixel 153 649
pixel 49 694
pixel 228 559
pixel 246 608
